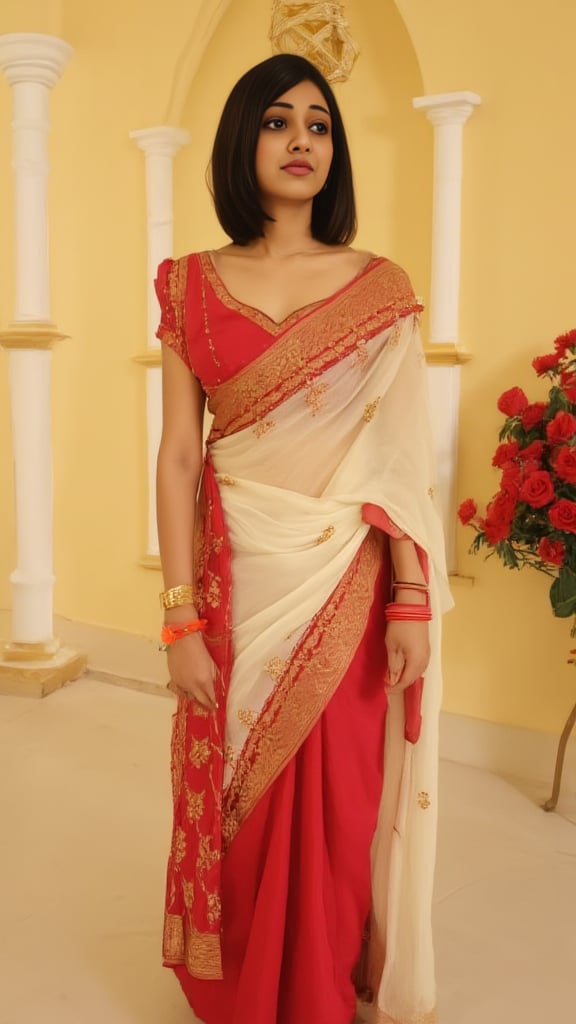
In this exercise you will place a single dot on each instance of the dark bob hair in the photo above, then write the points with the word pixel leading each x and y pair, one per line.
pixel 233 173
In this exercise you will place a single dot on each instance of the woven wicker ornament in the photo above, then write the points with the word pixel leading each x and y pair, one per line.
pixel 317 31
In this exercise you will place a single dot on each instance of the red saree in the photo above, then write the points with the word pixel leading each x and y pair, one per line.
pixel 277 796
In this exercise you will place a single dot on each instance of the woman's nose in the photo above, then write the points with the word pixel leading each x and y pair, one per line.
pixel 300 142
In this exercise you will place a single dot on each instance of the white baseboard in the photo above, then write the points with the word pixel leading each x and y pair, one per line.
pixel 505 750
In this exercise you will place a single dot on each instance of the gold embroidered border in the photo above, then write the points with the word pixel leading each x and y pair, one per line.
pixel 175 294
pixel 311 678
pixel 183 944
pixel 312 345
pixel 262 320
pixel 420 1018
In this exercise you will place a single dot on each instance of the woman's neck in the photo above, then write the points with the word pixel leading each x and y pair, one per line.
pixel 289 233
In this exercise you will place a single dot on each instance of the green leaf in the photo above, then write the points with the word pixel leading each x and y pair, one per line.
pixel 563 594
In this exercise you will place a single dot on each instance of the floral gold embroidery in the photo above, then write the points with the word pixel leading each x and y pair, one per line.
pixel 214 907
pixel 216 544
pixel 305 687
pixel 179 848
pixel 229 830
pixel 315 396
pixel 199 710
pixel 229 754
pixel 325 535
pixel 361 358
pixel 248 718
pixel 394 339
pixel 194 804
pixel 303 354
pixel 275 667
pixel 370 410
pixel 214 592
pixel 207 856
pixel 200 752
pixel 431 492
pixel 423 800
pixel 226 480
pixel 263 426
pixel 188 893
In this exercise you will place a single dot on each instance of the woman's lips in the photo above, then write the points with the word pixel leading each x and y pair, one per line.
pixel 297 169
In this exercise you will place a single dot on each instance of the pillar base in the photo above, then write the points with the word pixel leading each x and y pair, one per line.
pixel 41 676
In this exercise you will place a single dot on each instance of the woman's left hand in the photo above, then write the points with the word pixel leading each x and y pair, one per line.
pixel 408 647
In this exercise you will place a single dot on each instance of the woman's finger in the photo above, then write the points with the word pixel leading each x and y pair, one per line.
pixel 395 666
pixel 203 698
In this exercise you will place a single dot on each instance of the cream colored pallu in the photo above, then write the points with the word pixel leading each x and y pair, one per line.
pixel 294 477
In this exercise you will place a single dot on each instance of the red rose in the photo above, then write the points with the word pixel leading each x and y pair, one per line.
pixel 562 515
pixel 537 490
pixel 544 364
pixel 561 428
pixel 467 511
pixel 568 384
pixel 533 415
pixel 565 464
pixel 532 451
pixel 512 402
pixel 565 341
pixel 505 453
pixel 511 479
pixel 499 516
pixel 552 551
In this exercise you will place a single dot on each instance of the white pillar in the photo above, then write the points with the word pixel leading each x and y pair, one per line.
pixel 159 146
pixel 448 113
pixel 32 65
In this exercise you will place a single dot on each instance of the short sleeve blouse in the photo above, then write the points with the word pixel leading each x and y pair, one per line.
pixel 170 287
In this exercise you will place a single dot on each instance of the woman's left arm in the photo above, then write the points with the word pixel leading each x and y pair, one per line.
pixel 407 643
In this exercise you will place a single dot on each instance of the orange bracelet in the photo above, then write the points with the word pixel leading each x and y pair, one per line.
pixel 396 611
pixel 176 630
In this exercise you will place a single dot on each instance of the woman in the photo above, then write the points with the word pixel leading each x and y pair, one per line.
pixel 297 622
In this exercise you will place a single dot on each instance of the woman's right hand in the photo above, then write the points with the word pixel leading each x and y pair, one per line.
pixel 192 670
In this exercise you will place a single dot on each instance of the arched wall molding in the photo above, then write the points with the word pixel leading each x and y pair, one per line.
pixel 207 20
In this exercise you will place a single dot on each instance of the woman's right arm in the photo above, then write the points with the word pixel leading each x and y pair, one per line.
pixel 179 468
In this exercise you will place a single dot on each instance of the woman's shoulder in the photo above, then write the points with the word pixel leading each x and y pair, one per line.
pixel 180 274
pixel 391 277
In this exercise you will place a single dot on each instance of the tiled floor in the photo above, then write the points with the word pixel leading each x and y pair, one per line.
pixel 84 819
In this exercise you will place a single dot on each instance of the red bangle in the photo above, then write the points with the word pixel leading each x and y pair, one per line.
pixel 397 612
pixel 176 630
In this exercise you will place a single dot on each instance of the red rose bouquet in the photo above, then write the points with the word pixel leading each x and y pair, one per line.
pixel 532 518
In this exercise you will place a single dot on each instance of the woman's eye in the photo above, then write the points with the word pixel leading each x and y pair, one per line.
pixel 319 127
pixel 274 123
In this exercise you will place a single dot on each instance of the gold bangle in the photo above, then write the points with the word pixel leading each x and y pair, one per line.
pixel 177 596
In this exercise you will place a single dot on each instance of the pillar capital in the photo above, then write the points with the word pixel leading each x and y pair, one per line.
pixel 448 107
pixel 32 57
pixel 161 141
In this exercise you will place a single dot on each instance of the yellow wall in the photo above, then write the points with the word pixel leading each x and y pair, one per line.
pixel 504 653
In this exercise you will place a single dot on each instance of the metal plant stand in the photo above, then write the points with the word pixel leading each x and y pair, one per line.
pixel 570 723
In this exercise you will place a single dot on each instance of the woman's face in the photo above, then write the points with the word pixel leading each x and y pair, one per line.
pixel 294 150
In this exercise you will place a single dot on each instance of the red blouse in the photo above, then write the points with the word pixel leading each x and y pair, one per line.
pixel 215 334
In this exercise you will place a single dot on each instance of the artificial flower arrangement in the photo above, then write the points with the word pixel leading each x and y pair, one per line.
pixel 532 518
